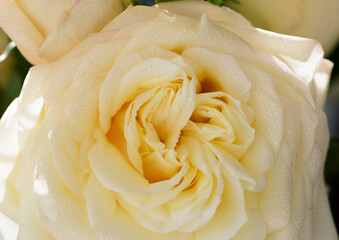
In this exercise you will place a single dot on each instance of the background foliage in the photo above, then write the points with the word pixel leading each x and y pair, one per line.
pixel 332 162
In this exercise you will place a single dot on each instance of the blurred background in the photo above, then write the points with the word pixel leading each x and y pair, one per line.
pixel 14 68
pixel 332 161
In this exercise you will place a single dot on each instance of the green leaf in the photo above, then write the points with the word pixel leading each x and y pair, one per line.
pixel 136 2
pixel 221 3
pixel 218 3
pixel 144 2
pixel 7 51
pixel 10 92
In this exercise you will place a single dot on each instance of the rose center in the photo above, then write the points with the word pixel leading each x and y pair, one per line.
pixel 148 128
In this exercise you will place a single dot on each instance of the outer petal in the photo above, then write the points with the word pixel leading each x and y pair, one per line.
pixel 312 18
pixel 230 215
pixel 269 14
pixel 59 212
pixel 86 16
pixel 43 35
pixel 49 11
pixel 8 228
pixel 320 22
pixel 110 221
pixel 30 226
pixel 27 36
pixel 321 82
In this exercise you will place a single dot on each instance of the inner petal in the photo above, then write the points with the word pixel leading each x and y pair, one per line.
pixel 173 112
pixel 116 133
pixel 155 120
pixel 222 120
pixel 158 167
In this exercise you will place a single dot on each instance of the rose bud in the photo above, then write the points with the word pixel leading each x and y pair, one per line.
pixel 45 30
pixel 312 19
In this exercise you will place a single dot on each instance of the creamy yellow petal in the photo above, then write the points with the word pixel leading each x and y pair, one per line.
pixel 149 202
pixel 109 220
pixel 274 200
pixel 8 229
pixel 222 73
pixel 64 151
pixel 321 82
pixel 290 11
pixel 37 10
pixel 230 215
pixel 28 38
pixel 30 226
pixel 255 228
pixel 59 212
pixel 201 7
pixel 43 35
pixel 131 74
pixel 83 18
pixel 110 167
pixel 309 19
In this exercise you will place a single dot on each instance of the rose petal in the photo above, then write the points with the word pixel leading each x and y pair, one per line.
pixel 86 17
pixel 132 73
pixel 221 71
pixel 321 82
pixel 255 228
pixel 197 9
pixel 230 215
pixel 28 37
pixel 109 220
pixel 30 226
pixel 111 167
pixel 59 213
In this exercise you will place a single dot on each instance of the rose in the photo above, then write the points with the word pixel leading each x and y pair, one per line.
pixel 312 19
pixel 163 125
pixel 45 30
pixel 174 122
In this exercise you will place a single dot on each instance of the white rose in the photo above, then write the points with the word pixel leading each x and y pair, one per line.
pixel 45 30
pixel 317 19
pixel 176 122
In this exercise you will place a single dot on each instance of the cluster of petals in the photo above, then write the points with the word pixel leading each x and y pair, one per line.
pixel 177 121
